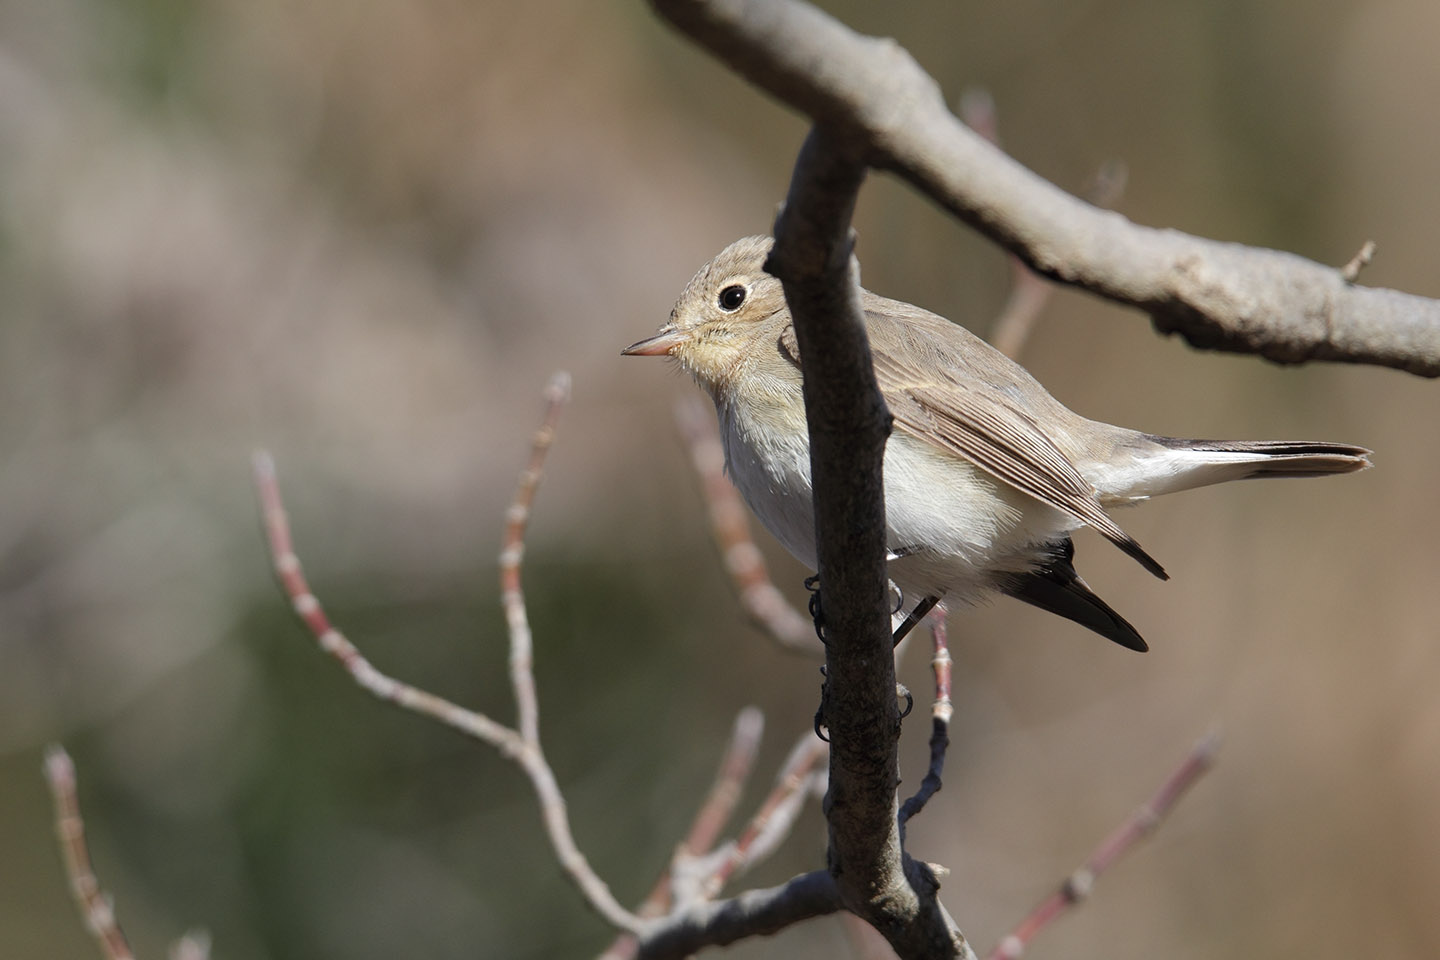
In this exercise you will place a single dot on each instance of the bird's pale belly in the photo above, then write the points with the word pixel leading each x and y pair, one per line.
pixel 953 529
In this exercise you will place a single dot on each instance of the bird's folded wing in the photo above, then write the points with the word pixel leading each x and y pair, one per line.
pixel 977 422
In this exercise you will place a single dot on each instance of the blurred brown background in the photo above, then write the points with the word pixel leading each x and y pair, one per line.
pixel 365 234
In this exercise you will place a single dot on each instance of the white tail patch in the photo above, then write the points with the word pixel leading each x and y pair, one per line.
pixel 1172 465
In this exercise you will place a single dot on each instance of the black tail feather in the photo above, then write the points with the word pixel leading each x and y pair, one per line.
pixel 1057 588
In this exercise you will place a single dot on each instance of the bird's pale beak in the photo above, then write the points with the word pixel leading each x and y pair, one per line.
pixel 659 345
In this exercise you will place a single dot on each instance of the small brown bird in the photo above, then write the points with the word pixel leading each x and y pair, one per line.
pixel 986 474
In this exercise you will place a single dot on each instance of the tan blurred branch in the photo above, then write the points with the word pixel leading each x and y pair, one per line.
pixel 759 597
pixel 1220 296
pixel 522 744
pixel 1029 292
pixel 1139 825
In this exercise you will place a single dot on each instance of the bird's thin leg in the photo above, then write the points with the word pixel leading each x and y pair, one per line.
pixel 914 617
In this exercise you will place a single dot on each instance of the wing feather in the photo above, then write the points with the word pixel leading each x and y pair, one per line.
pixel 977 422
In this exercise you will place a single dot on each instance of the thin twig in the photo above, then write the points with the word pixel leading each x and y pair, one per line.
pixel 940 714
pixel 513 744
pixel 1361 260
pixel 1029 291
pixel 1136 827
pixel 96 906
pixel 710 819
pixel 761 600
pixel 776 816
pixel 512 551
pixel 729 783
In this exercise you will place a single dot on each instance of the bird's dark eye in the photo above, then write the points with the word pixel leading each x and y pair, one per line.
pixel 731 298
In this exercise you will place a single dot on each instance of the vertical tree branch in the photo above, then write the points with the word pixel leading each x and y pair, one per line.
pixel 849 425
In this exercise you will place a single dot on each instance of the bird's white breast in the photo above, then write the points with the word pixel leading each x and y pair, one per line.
pixel 954 529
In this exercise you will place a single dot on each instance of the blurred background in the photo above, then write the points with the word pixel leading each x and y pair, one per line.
pixel 364 235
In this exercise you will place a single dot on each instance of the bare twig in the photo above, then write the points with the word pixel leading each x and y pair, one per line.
pixel 940 714
pixel 333 642
pixel 1029 291
pixel 773 821
pixel 1136 827
pixel 521 745
pixel 96 906
pixel 512 597
pixel 1361 260
pixel 714 813
pixel 729 782
pixel 759 597
pixel 1221 296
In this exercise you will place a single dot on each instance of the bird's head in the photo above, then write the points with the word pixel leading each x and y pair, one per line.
pixel 729 305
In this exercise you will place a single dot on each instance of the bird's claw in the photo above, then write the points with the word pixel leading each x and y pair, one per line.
pixel 817 612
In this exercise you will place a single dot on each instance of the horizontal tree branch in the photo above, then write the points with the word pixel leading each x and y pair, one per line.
pixel 752 913
pixel 1221 296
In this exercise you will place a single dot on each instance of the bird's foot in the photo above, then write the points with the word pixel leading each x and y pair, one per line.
pixel 821 730
pixel 817 612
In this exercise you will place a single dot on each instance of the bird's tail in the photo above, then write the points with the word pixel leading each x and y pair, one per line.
pixel 1177 464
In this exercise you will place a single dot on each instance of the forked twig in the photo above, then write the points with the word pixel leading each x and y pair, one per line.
pixel 698 871
pixel 521 744
pixel 1140 824
pixel 772 822
pixel 96 906
pixel 714 813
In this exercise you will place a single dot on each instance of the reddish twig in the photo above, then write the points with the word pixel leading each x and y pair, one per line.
pixel 773 821
pixel 96 906
pixel 759 597
pixel 1136 827
pixel 714 813
pixel 512 551
pixel 522 744
pixel 730 780
pixel 940 713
